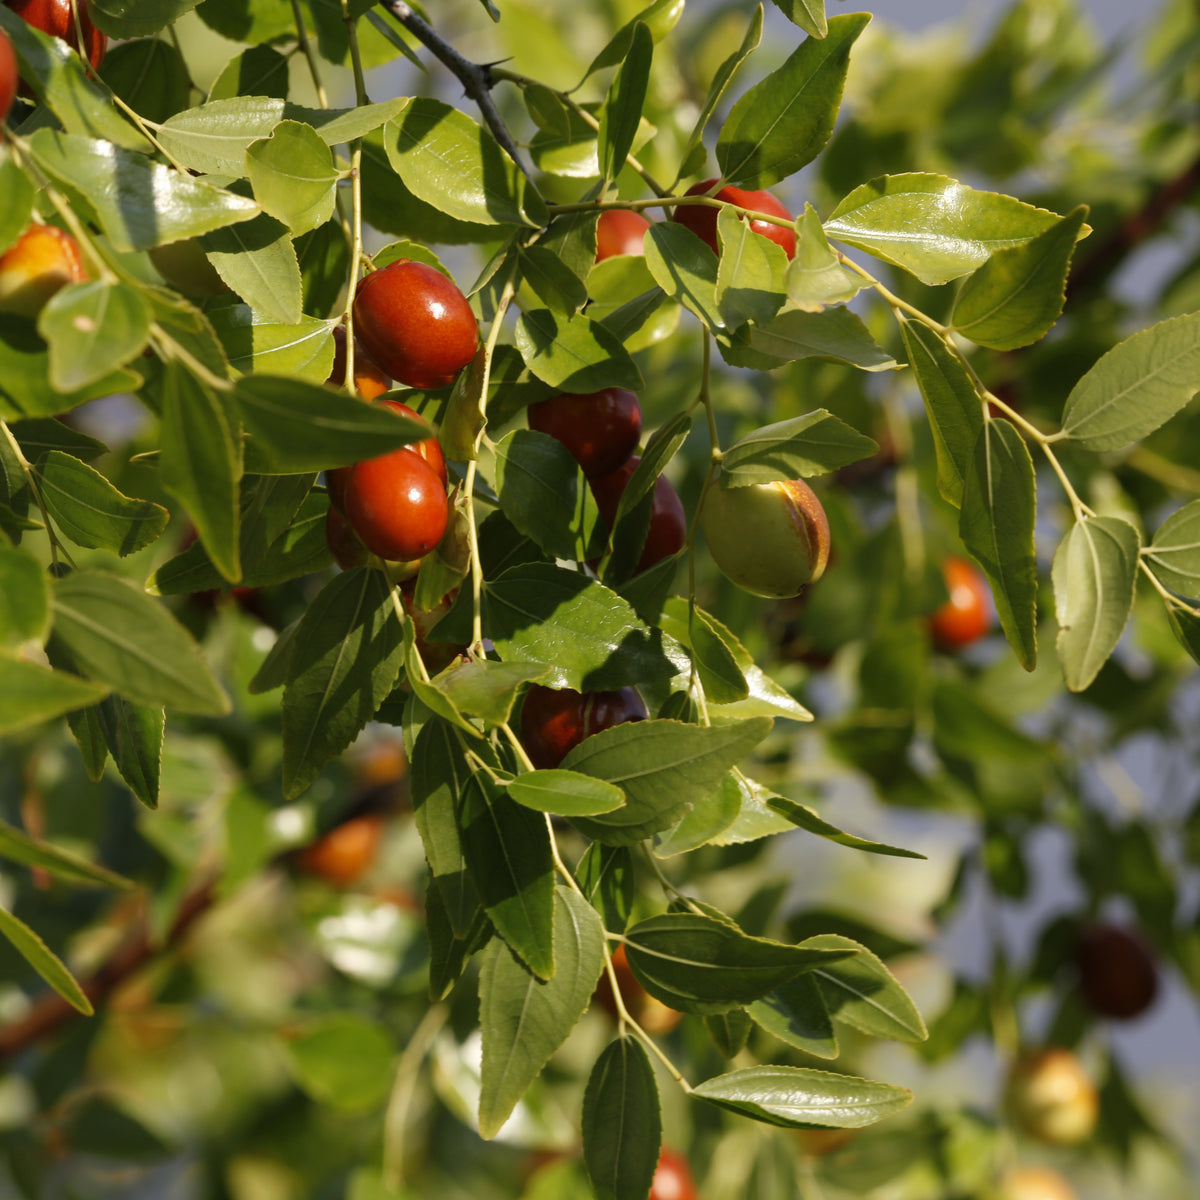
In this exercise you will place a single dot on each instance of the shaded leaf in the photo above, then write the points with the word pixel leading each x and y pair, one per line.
pixel 47 964
pixel 622 1122
pixel 30 694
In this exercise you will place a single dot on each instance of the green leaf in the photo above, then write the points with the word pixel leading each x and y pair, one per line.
pixel 47 964
pixel 808 14
pixel 24 599
pixel 482 688
pixel 37 435
pixel 699 964
pixel 201 465
pixel 447 160
pixel 607 879
pixel 30 694
pixel 1174 554
pixel 663 766
pixel 293 176
pixel 813 444
pixel 507 850
pixel 149 75
pixel 345 659
pixel 750 272
pixel 622 1122
pixel 835 333
pixel 1095 570
pixel 686 269
pixel 524 1019
pixel 295 427
pixel 92 329
pixel 795 1097
pixel 622 109
pixel 815 277
pixel 139 204
pixel 954 407
pixel 803 817
pixel 21 848
pixel 16 201
pixel 133 735
pixel 259 345
pixel 575 355
pixel 258 261
pixel 999 512
pixel 91 512
pixel 544 494
pixel 258 71
pixel 1136 387
pixel 966 726
pixel 134 18
pixel 796 1013
pixel 188 328
pixel 660 17
pixel 1017 295
pixel 121 637
pixel 552 281
pixel 784 120
pixel 705 822
pixel 565 793
pixel 861 992
pixel 448 953
pixel 1185 624
pixel 343 1060
pixel 931 226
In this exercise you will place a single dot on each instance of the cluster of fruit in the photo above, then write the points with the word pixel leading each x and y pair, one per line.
pixel 56 18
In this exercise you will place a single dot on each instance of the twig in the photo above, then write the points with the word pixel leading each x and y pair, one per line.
pixel 476 78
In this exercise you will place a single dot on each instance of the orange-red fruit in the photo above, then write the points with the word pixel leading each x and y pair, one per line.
pixel 673 1178
pixel 667 533
pixel 1050 1096
pixel 369 380
pixel 415 323
pixel 620 231
pixel 8 76
pixel 771 539
pixel 40 262
pixel 397 504
pixel 648 1011
pixel 967 615
pixel 55 18
pixel 346 851
pixel 1035 1183
pixel 1117 973
pixel 600 429
pixel 702 220
pixel 555 721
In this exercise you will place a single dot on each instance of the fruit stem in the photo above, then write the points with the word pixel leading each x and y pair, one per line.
pixel 310 57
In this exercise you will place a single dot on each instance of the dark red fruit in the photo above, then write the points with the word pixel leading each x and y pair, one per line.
pixel 415 323
pixel 8 76
pixel 1118 976
pixel 600 429
pixel 702 220
pixel 369 380
pixel 344 544
pixel 397 504
pixel 55 18
pixel 673 1179
pixel 620 231
pixel 667 534
pixel 967 615
pixel 554 722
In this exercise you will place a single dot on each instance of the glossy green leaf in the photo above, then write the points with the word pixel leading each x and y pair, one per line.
pixel 16 201
pixel 122 637
pixel 524 1019
pixel 24 599
pixel 699 964
pixel 750 272
pixel 785 119
pixel 576 354
pixel 686 269
pixel 1137 386
pixel 999 511
pixel 343 1060
pixel 954 408
pixel 815 277
pixel 813 444
pixel 796 1013
pixel 1095 570
pixel 91 512
pixel 19 847
pixel 720 675
pixel 139 204
pixel 932 226
pixel 1174 553
pixel 30 694
pixel 255 344
pixel 808 14
pixel 1017 295
pixel 622 109
pixel 295 427
pixel 92 329
pixel 486 689
pixel 803 817
pixel 507 850
pixel 44 961
pixel 258 261
pixel 447 160
pixel 293 176
pixel 622 1122
pixel 659 17
pixel 835 333
pixel 552 281
pixel 546 496
pixel 795 1097
pixel 345 659
pixel 201 464
pixel 861 992
pixel 565 793
pixel 149 75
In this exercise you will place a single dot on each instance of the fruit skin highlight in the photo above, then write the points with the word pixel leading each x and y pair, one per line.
pixel 702 220
pixel 771 539
pixel 1050 1097
pixel 620 231
pixel 415 323
pixel 396 504
pixel 40 262
pixel 600 429
pixel 966 616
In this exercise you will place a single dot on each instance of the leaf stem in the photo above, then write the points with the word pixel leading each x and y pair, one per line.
pixel 310 57
pixel 356 240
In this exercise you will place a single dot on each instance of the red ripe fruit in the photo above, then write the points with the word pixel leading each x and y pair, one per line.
pixel 42 260
pixel 667 534
pixel 702 220
pixel 967 615
pixel 620 231
pixel 600 429
pixel 397 504
pixel 369 380
pixel 55 18
pixel 346 851
pixel 1117 974
pixel 8 76
pixel 673 1179
pixel 554 722
pixel 415 323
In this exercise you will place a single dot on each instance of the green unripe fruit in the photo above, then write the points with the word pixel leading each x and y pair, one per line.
pixel 771 539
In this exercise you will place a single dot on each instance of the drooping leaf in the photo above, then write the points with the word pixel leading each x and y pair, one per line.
pixel 622 1122
pixel 803 817
pixel 1174 552
pixel 815 277
pixel 716 665
pixel 30 694
pixel 686 269
pixel 44 961
pixel 808 14
pixel 622 110
pixel 861 992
